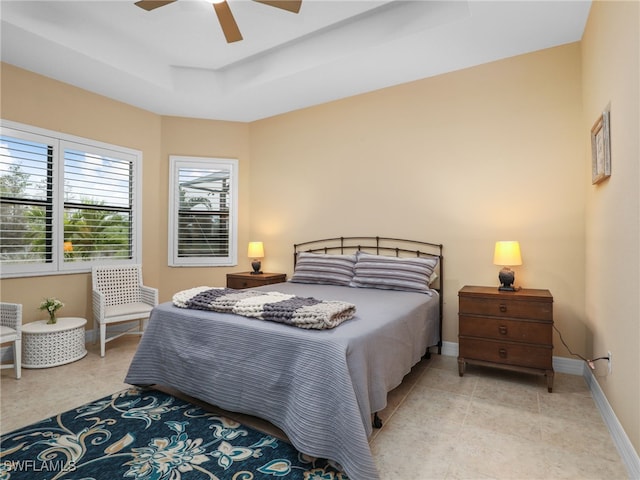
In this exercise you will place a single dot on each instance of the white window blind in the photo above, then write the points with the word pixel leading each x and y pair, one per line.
pixel 66 203
pixel 203 199
pixel 26 207
pixel 98 205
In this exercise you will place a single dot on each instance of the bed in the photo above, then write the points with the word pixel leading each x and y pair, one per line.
pixel 322 387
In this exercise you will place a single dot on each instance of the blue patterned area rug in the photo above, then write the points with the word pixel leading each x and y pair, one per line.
pixel 150 435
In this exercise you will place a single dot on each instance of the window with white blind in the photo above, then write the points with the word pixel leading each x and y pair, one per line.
pixel 66 203
pixel 203 214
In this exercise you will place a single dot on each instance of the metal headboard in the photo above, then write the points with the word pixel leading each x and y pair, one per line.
pixel 381 246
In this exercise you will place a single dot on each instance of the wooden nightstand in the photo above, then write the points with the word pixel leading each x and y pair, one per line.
pixel 250 280
pixel 510 330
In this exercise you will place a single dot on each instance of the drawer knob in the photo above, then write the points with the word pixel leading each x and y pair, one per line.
pixel 503 307
pixel 502 353
pixel 502 329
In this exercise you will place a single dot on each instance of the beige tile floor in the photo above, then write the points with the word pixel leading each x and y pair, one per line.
pixel 488 424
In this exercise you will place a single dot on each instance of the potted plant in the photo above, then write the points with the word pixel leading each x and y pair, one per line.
pixel 51 305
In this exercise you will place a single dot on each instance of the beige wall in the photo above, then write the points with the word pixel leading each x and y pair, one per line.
pixel 484 154
pixel 203 138
pixel 42 102
pixel 465 159
pixel 611 66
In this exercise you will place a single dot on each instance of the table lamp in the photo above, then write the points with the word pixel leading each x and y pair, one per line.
pixel 256 251
pixel 507 254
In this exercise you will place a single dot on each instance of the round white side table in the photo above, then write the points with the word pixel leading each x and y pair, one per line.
pixel 49 345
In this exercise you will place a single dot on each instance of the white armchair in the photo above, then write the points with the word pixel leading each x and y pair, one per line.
pixel 120 296
pixel 11 331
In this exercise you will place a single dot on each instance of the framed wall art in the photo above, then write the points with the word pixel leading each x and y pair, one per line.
pixel 601 149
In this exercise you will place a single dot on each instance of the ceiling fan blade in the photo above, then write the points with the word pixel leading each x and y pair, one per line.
pixel 227 22
pixel 288 5
pixel 149 5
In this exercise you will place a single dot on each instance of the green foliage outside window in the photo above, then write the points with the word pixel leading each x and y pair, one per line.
pixel 89 231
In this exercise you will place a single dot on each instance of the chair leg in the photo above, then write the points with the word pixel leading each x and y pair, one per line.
pixel 17 357
pixel 103 336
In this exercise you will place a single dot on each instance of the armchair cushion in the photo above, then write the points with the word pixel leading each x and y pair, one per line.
pixel 127 309
pixel 8 334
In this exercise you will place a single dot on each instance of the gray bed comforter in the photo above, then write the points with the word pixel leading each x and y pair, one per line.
pixel 319 386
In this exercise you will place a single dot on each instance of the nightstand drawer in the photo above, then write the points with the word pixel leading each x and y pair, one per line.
pixel 525 355
pixel 243 283
pixel 249 280
pixel 506 307
pixel 504 329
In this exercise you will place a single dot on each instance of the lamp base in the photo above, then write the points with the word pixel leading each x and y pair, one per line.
pixel 507 277
pixel 256 264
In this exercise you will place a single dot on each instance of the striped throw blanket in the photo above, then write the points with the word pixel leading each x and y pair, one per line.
pixel 303 312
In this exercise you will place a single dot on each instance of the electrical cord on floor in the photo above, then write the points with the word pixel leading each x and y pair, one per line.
pixel 589 362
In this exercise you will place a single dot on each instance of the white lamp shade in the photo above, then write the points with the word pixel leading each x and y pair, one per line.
pixel 256 250
pixel 507 253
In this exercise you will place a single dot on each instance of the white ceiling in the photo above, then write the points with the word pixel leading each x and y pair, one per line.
pixel 175 61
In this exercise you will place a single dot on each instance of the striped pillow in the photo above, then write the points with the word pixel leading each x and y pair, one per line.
pixel 393 273
pixel 324 269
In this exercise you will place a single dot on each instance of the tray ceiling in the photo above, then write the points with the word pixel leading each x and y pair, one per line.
pixel 174 60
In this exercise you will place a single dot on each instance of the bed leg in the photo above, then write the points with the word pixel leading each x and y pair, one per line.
pixel 377 422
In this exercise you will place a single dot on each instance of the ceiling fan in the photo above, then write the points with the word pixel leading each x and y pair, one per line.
pixel 225 17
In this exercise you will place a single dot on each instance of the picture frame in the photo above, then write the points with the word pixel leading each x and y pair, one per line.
pixel 601 149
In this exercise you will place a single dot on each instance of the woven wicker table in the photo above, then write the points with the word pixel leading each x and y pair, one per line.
pixel 45 345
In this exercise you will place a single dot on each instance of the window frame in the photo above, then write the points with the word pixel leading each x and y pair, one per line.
pixel 61 141
pixel 176 162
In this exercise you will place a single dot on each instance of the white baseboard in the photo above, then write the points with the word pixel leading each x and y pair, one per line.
pixel 578 367
pixel 450 349
pixel 569 366
pixel 6 354
pixel 625 448
pixel 93 335
pixel 90 336
pixel 560 364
